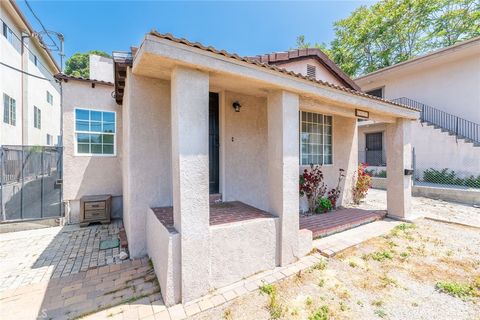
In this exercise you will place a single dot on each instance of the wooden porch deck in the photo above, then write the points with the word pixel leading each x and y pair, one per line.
pixel 339 220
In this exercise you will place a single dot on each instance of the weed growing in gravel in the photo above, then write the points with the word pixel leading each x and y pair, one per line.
pixel 360 303
pixel 387 281
pixel 352 264
pixel 321 265
pixel 274 307
pixel 343 306
pixel 377 303
pixel 404 226
pixel 227 314
pixel 380 313
pixel 382 255
pixel 457 289
pixel 321 283
pixel 320 314
pixel 308 301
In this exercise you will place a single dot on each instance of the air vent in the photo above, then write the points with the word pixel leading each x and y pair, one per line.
pixel 311 71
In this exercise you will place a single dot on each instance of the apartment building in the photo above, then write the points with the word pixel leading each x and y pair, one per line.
pixel 30 113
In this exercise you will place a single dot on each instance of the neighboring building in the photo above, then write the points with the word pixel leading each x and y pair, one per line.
pixel 445 86
pixel 194 124
pixel 30 94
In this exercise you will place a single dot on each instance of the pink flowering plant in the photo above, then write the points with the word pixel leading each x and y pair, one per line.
pixel 334 193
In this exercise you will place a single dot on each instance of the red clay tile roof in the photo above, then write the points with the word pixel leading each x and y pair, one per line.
pixel 279 58
pixel 62 76
pixel 170 37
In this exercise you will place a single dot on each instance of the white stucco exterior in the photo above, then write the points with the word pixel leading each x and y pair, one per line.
pixel 29 89
pixel 101 68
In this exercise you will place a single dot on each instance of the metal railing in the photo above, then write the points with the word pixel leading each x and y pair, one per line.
pixel 462 128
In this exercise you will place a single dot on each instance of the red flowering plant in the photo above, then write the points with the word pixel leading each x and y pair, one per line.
pixel 362 184
pixel 312 186
pixel 334 193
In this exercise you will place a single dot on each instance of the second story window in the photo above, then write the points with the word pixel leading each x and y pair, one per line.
pixel 37 118
pixel 8 33
pixel 95 132
pixel 311 71
pixel 9 110
pixel 49 98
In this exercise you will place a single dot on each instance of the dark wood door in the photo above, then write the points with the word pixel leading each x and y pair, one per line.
pixel 374 149
pixel 214 143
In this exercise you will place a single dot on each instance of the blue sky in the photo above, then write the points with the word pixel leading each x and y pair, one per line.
pixel 246 28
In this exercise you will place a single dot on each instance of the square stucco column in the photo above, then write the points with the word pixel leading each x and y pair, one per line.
pixel 283 167
pixel 189 114
pixel 399 158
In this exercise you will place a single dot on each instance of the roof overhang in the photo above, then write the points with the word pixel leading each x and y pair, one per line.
pixel 159 55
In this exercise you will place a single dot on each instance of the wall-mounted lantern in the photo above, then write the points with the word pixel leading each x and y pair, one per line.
pixel 236 105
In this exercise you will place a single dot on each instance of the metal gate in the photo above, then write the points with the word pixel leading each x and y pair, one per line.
pixel 30 183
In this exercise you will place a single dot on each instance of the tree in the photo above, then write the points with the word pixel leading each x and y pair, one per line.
pixel 392 31
pixel 78 64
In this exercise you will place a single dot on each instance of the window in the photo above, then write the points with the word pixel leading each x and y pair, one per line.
pixel 311 71
pixel 37 118
pixel 376 92
pixel 8 33
pixel 49 140
pixel 315 139
pixel 49 98
pixel 95 132
pixel 9 110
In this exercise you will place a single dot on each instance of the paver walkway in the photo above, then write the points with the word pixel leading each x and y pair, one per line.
pixel 339 220
pixel 28 257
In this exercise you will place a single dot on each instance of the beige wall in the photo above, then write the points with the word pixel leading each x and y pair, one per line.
pixel 101 68
pixel 146 154
pixel 300 66
pixel 89 175
pixel 245 156
pixel 450 83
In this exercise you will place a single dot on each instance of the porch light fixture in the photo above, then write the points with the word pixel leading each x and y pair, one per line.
pixel 236 105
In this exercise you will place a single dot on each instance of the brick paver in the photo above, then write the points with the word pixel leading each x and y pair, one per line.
pixel 33 256
pixel 339 220
pixel 220 213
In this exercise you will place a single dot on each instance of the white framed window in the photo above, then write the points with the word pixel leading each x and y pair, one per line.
pixel 95 132
pixel 9 110
pixel 49 98
pixel 37 117
pixel 316 139
pixel 8 33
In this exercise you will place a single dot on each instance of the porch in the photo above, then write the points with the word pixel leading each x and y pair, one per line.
pixel 323 225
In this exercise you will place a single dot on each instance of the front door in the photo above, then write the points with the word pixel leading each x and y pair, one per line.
pixel 213 142
pixel 374 149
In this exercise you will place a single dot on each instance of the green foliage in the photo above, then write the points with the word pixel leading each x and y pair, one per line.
pixel 382 255
pixel 323 205
pixel 446 176
pixel 392 31
pixel 320 314
pixel 321 265
pixel 274 307
pixel 457 289
pixel 267 289
pixel 78 64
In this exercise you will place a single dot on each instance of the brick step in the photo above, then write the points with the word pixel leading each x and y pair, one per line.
pixel 215 198
pixel 329 230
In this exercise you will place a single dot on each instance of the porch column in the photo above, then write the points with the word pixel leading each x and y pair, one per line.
pixel 189 114
pixel 399 158
pixel 283 171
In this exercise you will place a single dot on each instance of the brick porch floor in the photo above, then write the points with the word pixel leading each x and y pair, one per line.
pixel 220 213
pixel 339 220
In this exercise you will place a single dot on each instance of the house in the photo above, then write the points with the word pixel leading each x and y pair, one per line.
pixel 445 86
pixel 205 149
pixel 30 94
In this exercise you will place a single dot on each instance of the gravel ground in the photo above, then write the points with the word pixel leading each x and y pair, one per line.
pixel 425 207
pixel 355 285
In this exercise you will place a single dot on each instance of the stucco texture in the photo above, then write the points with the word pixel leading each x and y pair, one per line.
pixel 89 175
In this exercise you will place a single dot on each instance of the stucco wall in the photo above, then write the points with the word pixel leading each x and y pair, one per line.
pixel 449 83
pixel 345 156
pixel 101 68
pixel 246 157
pixel 300 66
pixel 164 251
pixel 89 175
pixel 239 250
pixel 434 149
pixel 146 154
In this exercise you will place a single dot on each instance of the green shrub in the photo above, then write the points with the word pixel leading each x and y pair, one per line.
pixel 456 289
pixel 320 314
pixel 446 176
pixel 323 205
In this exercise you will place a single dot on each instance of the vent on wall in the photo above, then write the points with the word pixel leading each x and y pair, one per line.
pixel 311 71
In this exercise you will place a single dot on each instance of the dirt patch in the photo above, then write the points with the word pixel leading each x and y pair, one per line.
pixel 390 277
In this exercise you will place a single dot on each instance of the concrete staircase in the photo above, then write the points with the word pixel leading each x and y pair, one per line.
pixel 461 128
